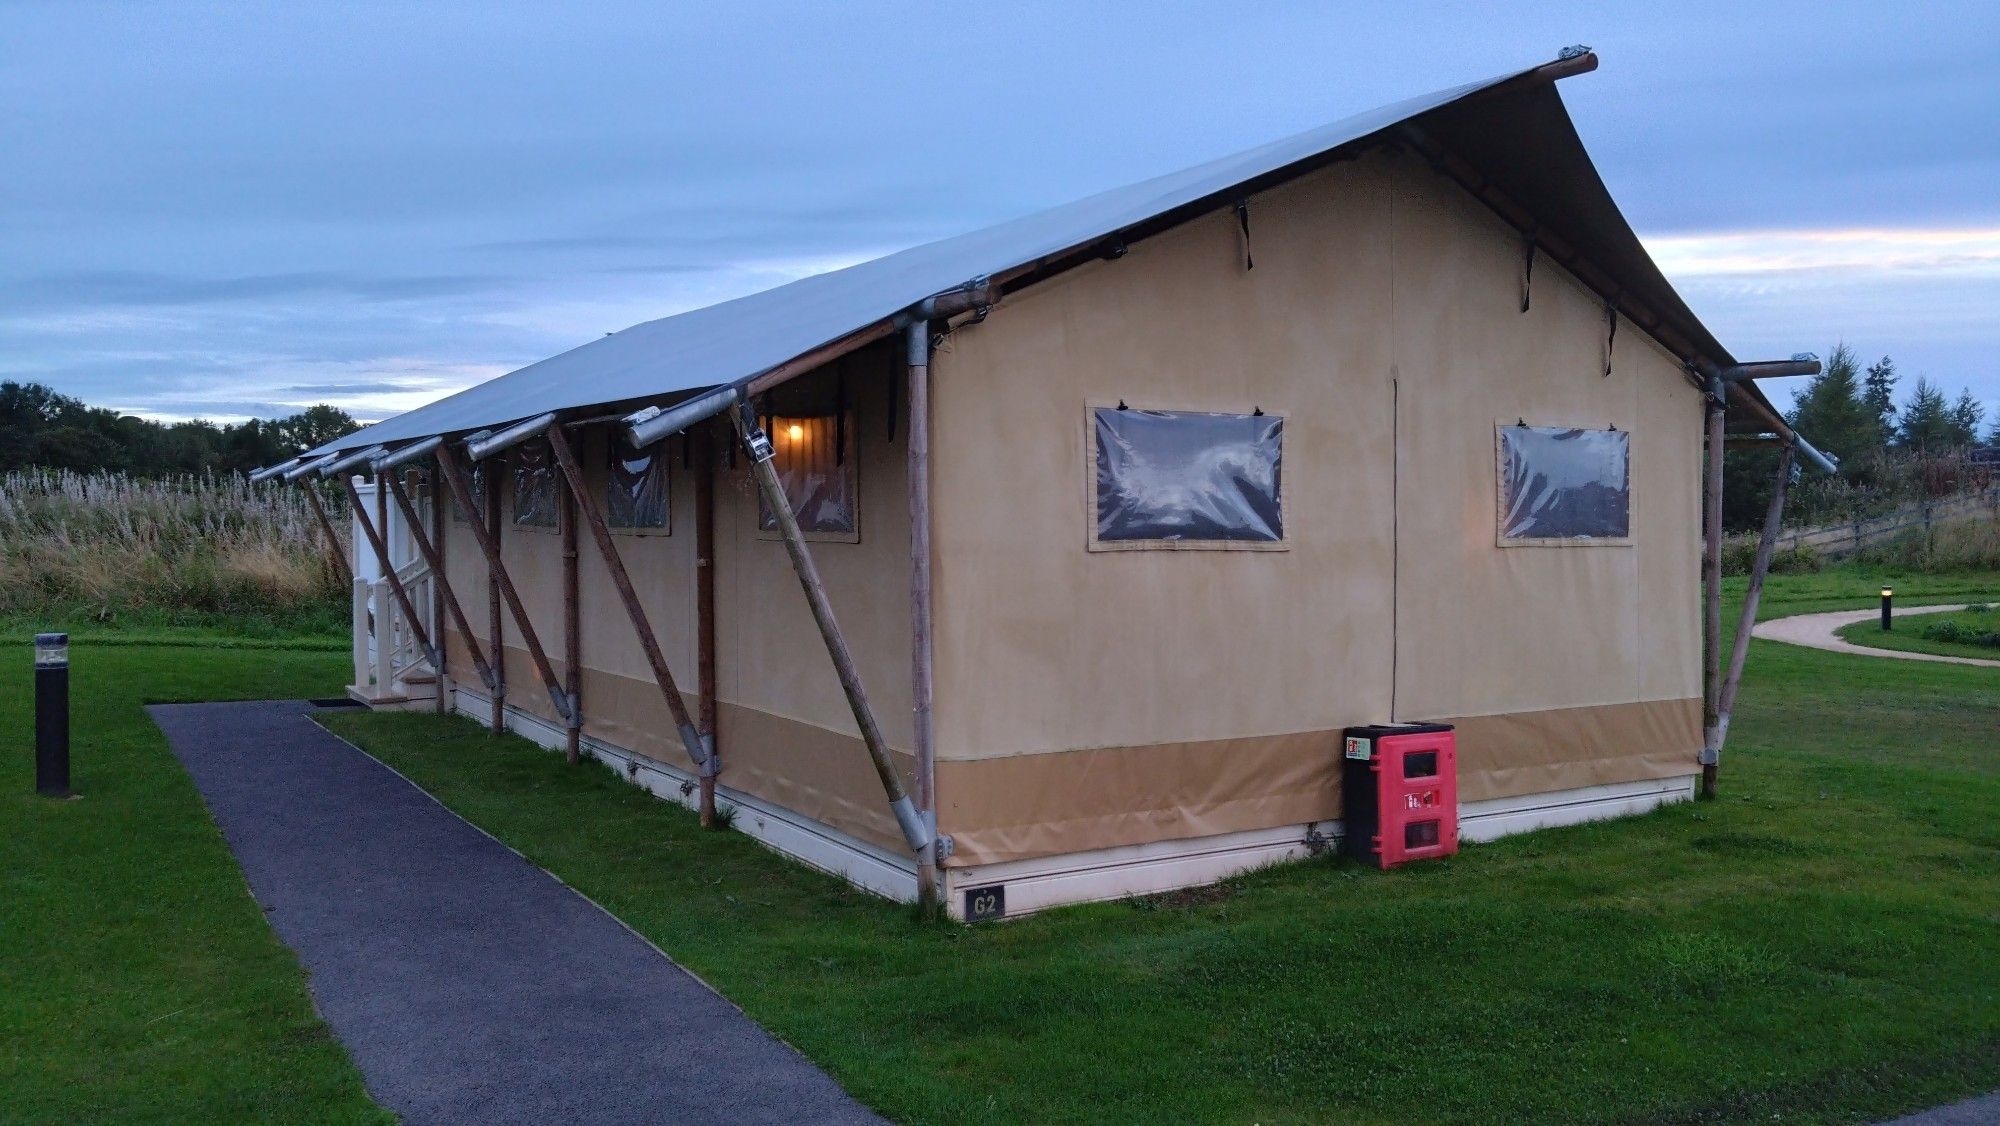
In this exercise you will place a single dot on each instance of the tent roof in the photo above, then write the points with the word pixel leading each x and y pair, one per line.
pixel 1518 136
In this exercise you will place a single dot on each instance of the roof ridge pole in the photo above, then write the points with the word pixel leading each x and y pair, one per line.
pixel 1711 590
pixel 435 562
pixel 1766 544
pixel 758 446
pixel 496 570
pixel 921 686
pixel 663 677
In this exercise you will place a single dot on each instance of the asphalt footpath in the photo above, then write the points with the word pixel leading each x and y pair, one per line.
pixel 468 984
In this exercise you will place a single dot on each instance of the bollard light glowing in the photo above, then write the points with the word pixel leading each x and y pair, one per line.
pixel 51 650
pixel 1888 592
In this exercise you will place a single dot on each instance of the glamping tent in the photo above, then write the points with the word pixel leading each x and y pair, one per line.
pixel 1048 563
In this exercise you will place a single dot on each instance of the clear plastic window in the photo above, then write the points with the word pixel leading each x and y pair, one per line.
pixel 817 472
pixel 535 484
pixel 1184 476
pixel 636 494
pixel 475 479
pixel 1558 484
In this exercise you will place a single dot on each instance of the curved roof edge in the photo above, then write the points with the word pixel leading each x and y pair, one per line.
pixel 1507 138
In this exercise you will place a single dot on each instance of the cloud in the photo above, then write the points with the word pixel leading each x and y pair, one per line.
pixel 1971 252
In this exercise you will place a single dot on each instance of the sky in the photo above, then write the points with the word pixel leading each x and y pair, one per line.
pixel 238 210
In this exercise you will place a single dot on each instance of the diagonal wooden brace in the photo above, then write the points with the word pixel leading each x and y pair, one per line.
pixel 916 832
pixel 429 552
pixel 389 572
pixel 454 477
pixel 663 677
pixel 333 545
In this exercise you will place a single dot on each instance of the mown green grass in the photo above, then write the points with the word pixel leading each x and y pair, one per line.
pixel 138 979
pixel 1911 636
pixel 1823 943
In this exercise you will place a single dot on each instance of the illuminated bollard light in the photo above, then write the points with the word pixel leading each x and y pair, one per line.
pixel 52 715
pixel 1888 598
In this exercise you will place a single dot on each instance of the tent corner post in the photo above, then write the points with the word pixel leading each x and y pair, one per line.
pixel 704 551
pixel 1711 618
pixel 918 360
pixel 572 631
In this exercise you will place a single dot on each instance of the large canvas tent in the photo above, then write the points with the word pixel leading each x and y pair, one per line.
pixel 1055 557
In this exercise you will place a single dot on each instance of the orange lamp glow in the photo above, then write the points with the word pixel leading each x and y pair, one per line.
pixel 796 432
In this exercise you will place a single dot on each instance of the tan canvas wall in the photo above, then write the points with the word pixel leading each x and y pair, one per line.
pixel 1090 699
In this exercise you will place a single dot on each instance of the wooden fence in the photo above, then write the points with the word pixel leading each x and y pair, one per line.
pixel 1848 537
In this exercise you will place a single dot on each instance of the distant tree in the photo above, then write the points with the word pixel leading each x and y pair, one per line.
pixel 1966 415
pixel 38 426
pixel 1832 413
pixel 315 426
pixel 1927 423
pixel 1879 392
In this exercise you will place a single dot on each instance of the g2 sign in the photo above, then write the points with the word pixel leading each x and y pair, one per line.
pixel 985 904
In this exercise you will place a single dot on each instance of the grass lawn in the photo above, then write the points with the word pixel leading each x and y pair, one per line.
pixel 138 979
pixel 1932 633
pixel 1823 943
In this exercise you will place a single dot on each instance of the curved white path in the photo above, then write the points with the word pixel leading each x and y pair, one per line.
pixel 1817 631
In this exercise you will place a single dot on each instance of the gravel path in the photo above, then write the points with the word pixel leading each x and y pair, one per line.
pixel 1817 631
pixel 467 984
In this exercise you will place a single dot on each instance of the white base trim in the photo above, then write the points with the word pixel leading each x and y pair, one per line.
pixel 1077 877
pixel 783 831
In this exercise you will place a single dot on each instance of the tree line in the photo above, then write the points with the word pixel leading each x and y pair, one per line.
pixel 39 427
pixel 1890 451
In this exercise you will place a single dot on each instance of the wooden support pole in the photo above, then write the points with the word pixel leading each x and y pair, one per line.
pixel 433 557
pixel 495 626
pixel 650 644
pixel 1711 593
pixel 443 590
pixel 490 547
pixel 704 608
pixel 334 546
pixel 919 447
pixel 1739 653
pixel 572 636
pixel 375 541
pixel 759 449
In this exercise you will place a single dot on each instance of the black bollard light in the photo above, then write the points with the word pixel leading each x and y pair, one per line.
pixel 1888 597
pixel 52 715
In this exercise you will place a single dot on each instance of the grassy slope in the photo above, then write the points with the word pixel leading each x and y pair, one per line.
pixel 1820 943
pixel 1908 636
pixel 138 980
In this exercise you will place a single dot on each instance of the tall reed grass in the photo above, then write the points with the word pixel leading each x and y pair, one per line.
pixel 105 545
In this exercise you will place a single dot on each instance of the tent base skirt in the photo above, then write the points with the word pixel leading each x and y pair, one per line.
pixel 1076 877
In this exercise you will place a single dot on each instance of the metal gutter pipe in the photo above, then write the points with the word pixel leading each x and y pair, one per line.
pixel 1804 364
pixel 1824 462
pixel 652 424
pixel 407 454
pixel 343 464
pixel 265 474
pixel 480 448
pixel 307 467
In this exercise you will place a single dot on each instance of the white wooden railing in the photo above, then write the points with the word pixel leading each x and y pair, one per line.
pixel 389 660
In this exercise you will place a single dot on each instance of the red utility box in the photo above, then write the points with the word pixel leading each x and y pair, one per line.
pixel 1400 784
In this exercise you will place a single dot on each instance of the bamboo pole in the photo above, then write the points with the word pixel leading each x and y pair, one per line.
pixel 388 570
pixel 433 557
pixel 490 547
pixel 921 684
pixel 495 627
pixel 1773 517
pixel 758 446
pixel 572 635
pixel 663 677
pixel 334 547
pixel 704 606
pixel 1711 617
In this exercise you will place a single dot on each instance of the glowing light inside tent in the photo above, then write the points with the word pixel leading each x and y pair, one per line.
pixel 795 432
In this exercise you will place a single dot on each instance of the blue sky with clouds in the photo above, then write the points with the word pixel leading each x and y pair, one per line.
pixel 226 210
